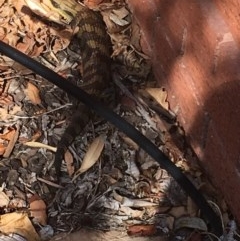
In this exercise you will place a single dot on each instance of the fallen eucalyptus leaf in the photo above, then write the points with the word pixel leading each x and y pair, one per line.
pixel 18 223
pixel 178 211
pixel 91 156
pixel 190 222
pixel 160 95
pixel 40 145
pixel 4 199
pixel 117 16
pixel 33 93
pixel 13 136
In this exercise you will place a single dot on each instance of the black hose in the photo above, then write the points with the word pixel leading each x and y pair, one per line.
pixel 207 212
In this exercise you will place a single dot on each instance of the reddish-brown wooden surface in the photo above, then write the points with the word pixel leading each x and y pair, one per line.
pixel 194 46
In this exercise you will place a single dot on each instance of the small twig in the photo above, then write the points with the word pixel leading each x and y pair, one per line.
pixel 125 90
pixel 40 145
pixel 49 183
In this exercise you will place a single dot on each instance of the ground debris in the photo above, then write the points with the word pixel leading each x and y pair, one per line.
pixel 115 184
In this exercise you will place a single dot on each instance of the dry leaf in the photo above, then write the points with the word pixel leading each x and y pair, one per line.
pixel 136 36
pixel 18 223
pixel 15 110
pixel 8 135
pixel 130 142
pixel 190 222
pixel 115 173
pixel 127 202
pixel 40 145
pixel 170 222
pixel 4 200
pixel 92 3
pixel 142 230
pixel 4 114
pixel 33 93
pixel 115 24
pixel 133 213
pixel 13 136
pixel 6 99
pixel 38 211
pixel 133 168
pixel 3 32
pixel 36 51
pixel 27 44
pixel 192 208
pixel 91 156
pixel 36 135
pixel 178 211
pixel 2 148
pixel 130 202
pixel 160 95
pixel 118 15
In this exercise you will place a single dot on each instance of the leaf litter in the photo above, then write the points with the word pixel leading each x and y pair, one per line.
pixel 120 186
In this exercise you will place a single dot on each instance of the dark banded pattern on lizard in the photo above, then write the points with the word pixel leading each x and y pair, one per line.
pixel 95 47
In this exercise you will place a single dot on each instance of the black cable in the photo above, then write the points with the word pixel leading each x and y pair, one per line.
pixel 124 126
